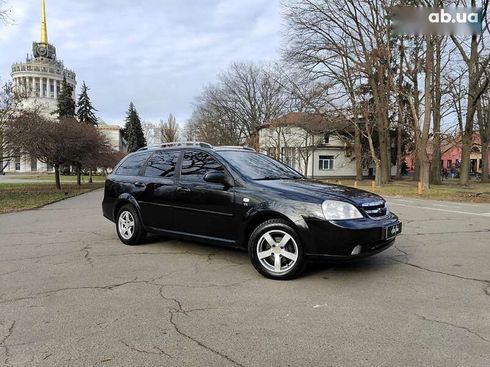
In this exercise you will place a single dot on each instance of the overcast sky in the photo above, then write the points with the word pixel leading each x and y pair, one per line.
pixel 157 53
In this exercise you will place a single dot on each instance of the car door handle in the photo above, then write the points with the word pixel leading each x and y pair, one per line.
pixel 183 189
pixel 139 184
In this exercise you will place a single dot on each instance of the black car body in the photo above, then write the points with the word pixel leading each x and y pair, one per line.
pixel 224 195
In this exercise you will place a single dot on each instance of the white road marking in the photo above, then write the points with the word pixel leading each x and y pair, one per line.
pixel 318 306
pixel 443 210
pixel 443 205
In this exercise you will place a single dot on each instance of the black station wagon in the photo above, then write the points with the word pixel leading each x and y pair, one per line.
pixel 236 197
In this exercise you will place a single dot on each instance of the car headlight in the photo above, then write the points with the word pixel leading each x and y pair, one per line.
pixel 338 210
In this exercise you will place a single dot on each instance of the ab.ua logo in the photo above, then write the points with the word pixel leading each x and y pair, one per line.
pixel 421 20
pixel 459 17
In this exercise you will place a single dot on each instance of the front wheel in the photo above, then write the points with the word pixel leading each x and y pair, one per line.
pixel 128 226
pixel 275 250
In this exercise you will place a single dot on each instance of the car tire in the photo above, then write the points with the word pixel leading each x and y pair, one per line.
pixel 276 251
pixel 128 226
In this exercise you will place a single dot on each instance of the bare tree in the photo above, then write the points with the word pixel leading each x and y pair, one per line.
pixel 422 122
pixel 244 97
pixel 151 132
pixel 10 107
pixel 483 115
pixel 169 130
pixel 477 60
pixel 4 12
pixel 348 43
pixel 58 142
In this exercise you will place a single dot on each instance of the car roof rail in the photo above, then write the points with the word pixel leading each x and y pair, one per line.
pixel 178 144
pixel 236 147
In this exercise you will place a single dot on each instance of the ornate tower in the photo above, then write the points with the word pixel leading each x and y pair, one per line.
pixel 39 77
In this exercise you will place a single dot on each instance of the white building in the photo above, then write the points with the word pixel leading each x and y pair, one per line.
pixel 38 79
pixel 114 135
pixel 303 142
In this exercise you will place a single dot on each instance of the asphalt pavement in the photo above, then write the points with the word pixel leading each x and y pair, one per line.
pixel 72 295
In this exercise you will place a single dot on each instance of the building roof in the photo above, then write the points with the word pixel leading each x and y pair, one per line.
pixel 108 127
pixel 314 123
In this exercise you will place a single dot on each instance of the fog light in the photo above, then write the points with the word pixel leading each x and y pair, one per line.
pixel 356 250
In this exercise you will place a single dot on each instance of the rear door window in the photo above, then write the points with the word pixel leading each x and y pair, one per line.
pixel 132 164
pixel 196 164
pixel 162 164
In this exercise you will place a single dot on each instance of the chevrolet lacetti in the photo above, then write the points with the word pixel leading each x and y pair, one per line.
pixel 233 196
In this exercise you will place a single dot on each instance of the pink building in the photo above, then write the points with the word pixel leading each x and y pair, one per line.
pixel 451 155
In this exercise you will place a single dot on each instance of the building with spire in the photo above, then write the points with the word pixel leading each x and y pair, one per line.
pixel 39 77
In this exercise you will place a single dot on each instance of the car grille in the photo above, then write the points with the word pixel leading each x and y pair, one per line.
pixel 375 209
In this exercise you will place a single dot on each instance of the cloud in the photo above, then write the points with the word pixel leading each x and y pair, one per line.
pixel 158 54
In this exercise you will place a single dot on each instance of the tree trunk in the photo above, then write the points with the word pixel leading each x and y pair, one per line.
pixel 424 173
pixel 377 175
pixel 90 176
pixel 79 175
pixel 383 152
pixel 464 170
pixel 424 134
pixel 483 124
pixel 464 173
pixel 57 176
pixel 399 148
pixel 358 154
pixel 436 168
pixel 484 161
pixel 401 114
pixel 381 105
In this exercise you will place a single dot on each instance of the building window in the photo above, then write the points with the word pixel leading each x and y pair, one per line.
pixel 33 164
pixel 325 162
pixel 289 156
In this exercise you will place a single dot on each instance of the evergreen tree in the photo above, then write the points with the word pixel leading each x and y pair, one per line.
pixel 85 111
pixel 133 132
pixel 66 104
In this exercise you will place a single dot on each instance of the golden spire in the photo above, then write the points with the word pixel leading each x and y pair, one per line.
pixel 44 27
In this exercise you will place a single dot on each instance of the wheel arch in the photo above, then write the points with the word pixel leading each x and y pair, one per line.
pixel 255 220
pixel 127 199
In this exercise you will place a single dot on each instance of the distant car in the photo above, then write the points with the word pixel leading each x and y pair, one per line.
pixel 236 197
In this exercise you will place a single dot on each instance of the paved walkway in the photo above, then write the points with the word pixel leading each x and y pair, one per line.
pixel 72 295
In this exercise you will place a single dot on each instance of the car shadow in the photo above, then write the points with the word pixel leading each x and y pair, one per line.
pixel 323 270
pixel 361 266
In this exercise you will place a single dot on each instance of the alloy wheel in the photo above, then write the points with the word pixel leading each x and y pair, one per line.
pixel 277 251
pixel 126 225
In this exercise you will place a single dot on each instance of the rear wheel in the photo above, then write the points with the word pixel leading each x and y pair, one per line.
pixel 128 226
pixel 275 250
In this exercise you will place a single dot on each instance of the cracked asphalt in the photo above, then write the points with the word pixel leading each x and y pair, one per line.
pixel 72 295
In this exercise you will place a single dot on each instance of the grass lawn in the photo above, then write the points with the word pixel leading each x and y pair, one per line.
pixel 449 191
pixel 31 194
pixel 50 177
pixel 20 196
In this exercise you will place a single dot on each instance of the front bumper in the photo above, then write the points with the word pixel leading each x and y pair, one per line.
pixel 336 240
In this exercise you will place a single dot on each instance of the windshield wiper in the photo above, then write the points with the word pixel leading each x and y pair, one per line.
pixel 277 178
pixel 268 178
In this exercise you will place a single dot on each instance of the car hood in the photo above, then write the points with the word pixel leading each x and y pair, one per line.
pixel 320 190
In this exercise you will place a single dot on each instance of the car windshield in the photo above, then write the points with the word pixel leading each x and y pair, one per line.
pixel 257 166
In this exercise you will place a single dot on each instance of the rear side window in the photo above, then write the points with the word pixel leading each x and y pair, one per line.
pixel 196 164
pixel 162 164
pixel 132 164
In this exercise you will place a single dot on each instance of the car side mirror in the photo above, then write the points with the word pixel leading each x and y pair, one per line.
pixel 217 177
